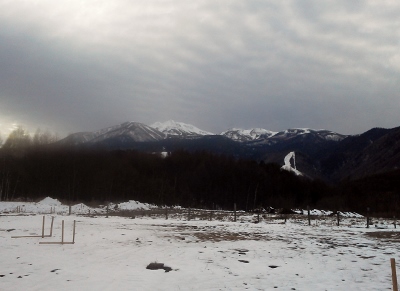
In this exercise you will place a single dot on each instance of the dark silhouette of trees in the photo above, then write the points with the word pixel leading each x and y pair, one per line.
pixel 18 139
pixel 35 169
pixel 197 179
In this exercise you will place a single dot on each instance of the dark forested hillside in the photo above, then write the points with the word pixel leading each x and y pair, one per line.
pixel 195 179
pixel 198 179
pixel 380 193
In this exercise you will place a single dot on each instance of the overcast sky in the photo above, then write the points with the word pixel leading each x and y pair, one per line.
pixel 70 66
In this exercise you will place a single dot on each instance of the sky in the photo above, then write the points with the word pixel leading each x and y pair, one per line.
pixel 69 66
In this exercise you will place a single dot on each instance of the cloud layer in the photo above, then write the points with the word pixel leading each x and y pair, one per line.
pixel 85 65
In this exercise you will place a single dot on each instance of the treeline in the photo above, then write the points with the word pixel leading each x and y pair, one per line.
pixel 30 170
pixel 189 179
pixel 380 193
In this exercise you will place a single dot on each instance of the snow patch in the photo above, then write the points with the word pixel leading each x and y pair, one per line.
pixel 288 166
pixel 50 202
pixel 132 205
pixel 317 212
pixel 112 254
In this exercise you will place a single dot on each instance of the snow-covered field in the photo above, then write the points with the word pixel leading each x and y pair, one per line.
pixel 113 253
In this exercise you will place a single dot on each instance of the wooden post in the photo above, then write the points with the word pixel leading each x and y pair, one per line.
pixel 40 235
pixel 43 228
pixel 367 217
pixel 394 275
pixel 166 213
pixel 107 209
pixel 73 234
pixel 211 213
pixel 258 216
pixel 51 227
pixel 69 210
pixel 62 232
pixel 394 223
pixel 234 212
pixel 255 197
pixel 62 242
pixel 338 218
pixel 308 214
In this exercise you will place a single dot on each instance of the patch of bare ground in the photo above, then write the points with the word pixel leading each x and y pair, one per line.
pixel 390 236
pixel 227 236
pixel 204 234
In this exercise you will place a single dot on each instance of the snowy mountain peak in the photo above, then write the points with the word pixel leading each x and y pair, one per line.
pixel 127 131
pixel 243 135
pixel 134 131
pixel 260 135
pixel 173 128
pixel 321 133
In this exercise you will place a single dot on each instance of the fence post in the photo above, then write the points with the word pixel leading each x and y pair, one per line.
pixel 394 275
pixel 338 218
pixel 69 210
pixel 62 232
pixel 43 228
pixel 367 217
pixel 166 213
pixel 51 226
pixel 258 216
pixel 394 223
pixel 308 215
pixel 73 234
pixel 234 212
pixel 211 213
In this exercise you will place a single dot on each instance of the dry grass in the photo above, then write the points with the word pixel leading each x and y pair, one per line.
pixel 391 236
pixel 208 233
pixel 227 236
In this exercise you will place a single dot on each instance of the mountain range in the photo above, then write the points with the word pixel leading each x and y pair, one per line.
pixel 322 154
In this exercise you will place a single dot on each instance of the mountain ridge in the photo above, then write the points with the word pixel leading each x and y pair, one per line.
pixel 320 153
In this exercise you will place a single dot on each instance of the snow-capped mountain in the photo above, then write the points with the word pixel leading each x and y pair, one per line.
pixel 260 135
pixel 319 153
pixel 320 133
pixel 133 131
pixel 127 131
pixel 77 138
pixel 243 135
pixel 179 129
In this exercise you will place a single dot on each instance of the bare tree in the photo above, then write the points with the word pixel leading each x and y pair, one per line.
pixel 18 139
pixel 43 137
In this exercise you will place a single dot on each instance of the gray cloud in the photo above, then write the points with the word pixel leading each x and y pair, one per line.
pixel 88 65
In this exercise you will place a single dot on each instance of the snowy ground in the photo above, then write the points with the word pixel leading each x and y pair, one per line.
pixel 112 254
